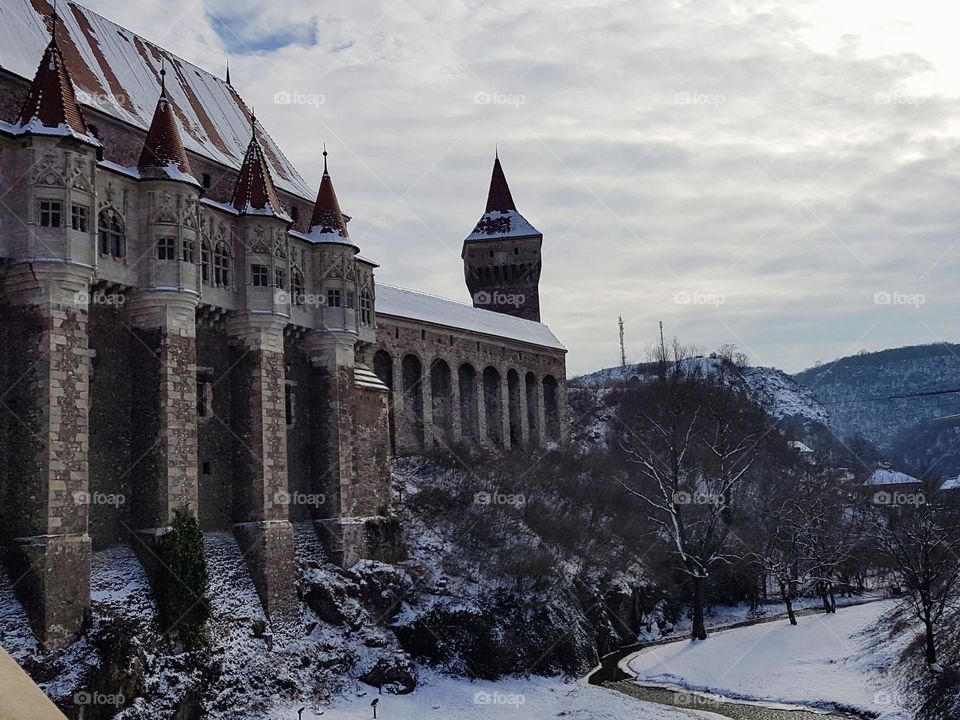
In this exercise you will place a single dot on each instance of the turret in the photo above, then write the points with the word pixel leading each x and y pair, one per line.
pixel 501 257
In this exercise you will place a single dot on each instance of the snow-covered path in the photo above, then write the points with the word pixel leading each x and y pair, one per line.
pixel 829 662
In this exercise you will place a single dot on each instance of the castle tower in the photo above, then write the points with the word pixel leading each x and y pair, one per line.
pixel 352 449
pixel 501 257
pixel 261 518
pixel 43 510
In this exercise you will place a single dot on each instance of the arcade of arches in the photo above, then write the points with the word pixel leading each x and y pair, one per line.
pixel 453 386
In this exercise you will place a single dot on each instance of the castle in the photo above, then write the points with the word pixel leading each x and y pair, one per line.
pixel 187 326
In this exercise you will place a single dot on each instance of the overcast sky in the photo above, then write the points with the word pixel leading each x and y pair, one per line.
pixel 778 175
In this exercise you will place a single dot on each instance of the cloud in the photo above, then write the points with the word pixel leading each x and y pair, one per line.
pixel 794 161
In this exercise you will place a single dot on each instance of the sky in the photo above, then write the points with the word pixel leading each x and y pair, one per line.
pixel 782 176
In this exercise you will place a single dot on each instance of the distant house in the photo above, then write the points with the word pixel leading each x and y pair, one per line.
pixel 804 450
pixel 888 478
pixel 950 484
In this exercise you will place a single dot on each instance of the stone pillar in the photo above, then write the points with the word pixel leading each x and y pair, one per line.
pixel 164 408
pixel 456 426
pixel 46 439
pixel 542 412
pixel 261 497
pixel 505 407
pixel 332 357
pixel 525 429
pixel 481 410
pixel 430 433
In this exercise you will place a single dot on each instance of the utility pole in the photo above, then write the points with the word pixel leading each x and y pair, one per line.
pixel 623 350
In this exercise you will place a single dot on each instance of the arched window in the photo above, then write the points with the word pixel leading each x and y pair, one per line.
pixel 205 261
pixel 366 308
pixel 111 233
pixel 296 287
pixel 221 266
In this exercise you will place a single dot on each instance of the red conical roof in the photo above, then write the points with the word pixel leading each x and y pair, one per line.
pixel 499 197
pixel 163 155
pixel 255 193
pixel 327 216
pixel 51 103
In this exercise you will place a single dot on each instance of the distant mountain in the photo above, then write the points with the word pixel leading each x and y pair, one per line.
pixel 863 395
pixel 780 394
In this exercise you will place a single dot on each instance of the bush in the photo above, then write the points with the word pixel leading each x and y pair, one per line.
pixel 180 585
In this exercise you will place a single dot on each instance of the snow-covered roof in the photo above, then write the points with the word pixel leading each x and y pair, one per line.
pixel 118 72
pixel 886 476
pixel 951 484
pixel 799 446
pixel 402 303
pixel 497 224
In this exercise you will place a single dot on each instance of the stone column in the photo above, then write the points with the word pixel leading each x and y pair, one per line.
pixel 426 398
pixel 505 407
pixel 261 494
pixel 332 357
pixel 525 429
pixel 456 427
pixel 164 408
pixel 481 411
pixel 46 437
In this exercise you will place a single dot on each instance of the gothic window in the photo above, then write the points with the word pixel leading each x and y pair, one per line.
pixel 167 248
pixel 188 251
pixel 79 219
pixel 260 275
pixel 111 233
pixel 204 396
pixel 366 307
pixel 205 261
pixel 296 287
pixel 50 213
pixel 279 278
pixel 221 266
pixel 333 298
pixel 350 299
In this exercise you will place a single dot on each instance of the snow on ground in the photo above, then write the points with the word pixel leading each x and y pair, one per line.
pixel 830 662
pixel 445 698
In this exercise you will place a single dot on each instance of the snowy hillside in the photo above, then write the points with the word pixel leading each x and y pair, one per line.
pixel 864 393
pixel 780 394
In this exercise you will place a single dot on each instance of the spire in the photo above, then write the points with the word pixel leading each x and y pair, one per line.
pixel 163 155
pixel 50 107
pixel 327 217
pixel 228 71
pixel 499 198
pixel 255 193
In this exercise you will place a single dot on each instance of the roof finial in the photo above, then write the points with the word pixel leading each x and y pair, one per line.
pixel 163 78
pixel 53 30
pixel 228 71
pixel 253 123
pixel 325 159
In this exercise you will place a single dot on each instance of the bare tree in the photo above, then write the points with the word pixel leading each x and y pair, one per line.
pixel 918 536
pixel 691 441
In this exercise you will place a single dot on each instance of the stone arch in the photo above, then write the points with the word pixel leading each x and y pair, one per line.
pixel 469 408
pixel 513 408
pixel 493 405
pixel 533 408
pixel 412 415
pixel 441 393
pixel 551 406
pixel 383 369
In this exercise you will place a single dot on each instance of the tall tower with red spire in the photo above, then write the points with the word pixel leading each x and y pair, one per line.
pixel 501 257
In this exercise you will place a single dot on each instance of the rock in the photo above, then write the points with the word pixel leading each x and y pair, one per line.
pixel 393 673
pixel 333 599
